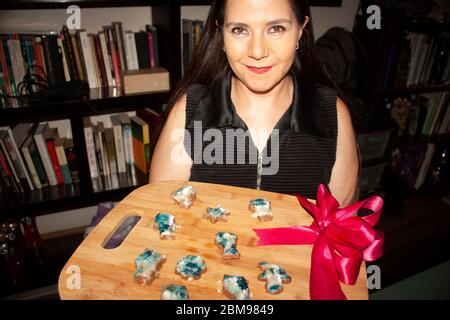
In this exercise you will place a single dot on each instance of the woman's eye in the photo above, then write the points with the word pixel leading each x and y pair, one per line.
pixel 237 31
pixel 277 29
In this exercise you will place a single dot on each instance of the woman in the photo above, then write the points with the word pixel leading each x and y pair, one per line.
pixel 257 109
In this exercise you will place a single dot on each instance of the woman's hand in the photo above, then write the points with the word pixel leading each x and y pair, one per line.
pixel 170 160
pixel 344 177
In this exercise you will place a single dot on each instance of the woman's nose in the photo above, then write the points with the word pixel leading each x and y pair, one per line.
pixel 257 48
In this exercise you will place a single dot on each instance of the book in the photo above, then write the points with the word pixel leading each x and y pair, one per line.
pixel 71 160
pixel 69 51
pixel 142 49
pixel 130 51
pixel 117 25
pixel 61 155
pixel 128 146
pixel 77 56
pixel 50 135
pixel 119 145
pixel 112 162
pixel 6 174
pixel 9 162
pixel 16 156
pixel 37 161
pixel 141 143
pixel 25 148
pixel 106 59
pixel 113 51
pixel 43 152
pixel 90 148
pixel 65 62
pixel 87 54
pixel 423 170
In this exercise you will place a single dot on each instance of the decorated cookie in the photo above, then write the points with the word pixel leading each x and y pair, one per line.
pixel 191 267
pixel 174 292
pixel 236 287
pixel 260 209
pixel 184 197
pixel 227 242
pixel 148 264
pixel 165 223
pixel 275 276
pixel 216 214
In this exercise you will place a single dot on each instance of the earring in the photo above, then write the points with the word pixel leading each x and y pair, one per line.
pixel 298 46
pixel 223 48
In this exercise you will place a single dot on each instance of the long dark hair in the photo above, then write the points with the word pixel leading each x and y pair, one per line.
pixel 208 64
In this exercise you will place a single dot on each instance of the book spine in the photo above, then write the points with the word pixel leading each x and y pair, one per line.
pixel 6 175
pixel 17 159
pixel 54 160
pixel 31 168
pixel 151 49
pixel 63 164
pixel 72 163
pixel 130 50
pixel 114 58
pixel 90 148
pixel 48 62
pixel 11 167
pixel 87 57
pixel 128 148
pixel 77 56
pixel 138 148
pixel 100 61
pixel 120 44
pixel 118 142
pixel 95 62
pixel 67 42
pixel 104 152
pixel 106 59
pixel 64 60
pixel 38 165
pixel 42 148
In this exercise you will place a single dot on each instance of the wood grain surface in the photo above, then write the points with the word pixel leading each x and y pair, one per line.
pixel 108 273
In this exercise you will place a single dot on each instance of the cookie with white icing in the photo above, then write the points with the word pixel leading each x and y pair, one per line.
pixel 236 287
pixel 174 292
pixel 216 214
pixel 261 209
pixel 165 224
pixel 184 197
pixel 191 267
pixel 275 276
pixel 147 266
pixel 227 241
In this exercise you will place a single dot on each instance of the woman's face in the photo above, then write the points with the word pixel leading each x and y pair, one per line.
pixel 260 34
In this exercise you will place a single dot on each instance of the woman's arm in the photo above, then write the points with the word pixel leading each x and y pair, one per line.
pixel 170 160
pixel 344 177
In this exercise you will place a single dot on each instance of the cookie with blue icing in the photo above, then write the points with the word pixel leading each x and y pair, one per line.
pixel 227 241
pixel 165 224
pixel 191 267
pixel 216 214
pixel 184 197
pixel 147 266
pixel 236 287
pixel 275 276
pixel 174 292
pixel 261 209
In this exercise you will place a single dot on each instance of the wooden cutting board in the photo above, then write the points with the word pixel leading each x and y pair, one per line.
pixel 108 273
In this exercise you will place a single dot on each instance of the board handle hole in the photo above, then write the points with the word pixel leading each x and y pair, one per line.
pixel 121 232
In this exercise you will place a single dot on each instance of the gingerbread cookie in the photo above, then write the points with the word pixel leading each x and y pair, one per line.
pixel 236 287
pixel 174 292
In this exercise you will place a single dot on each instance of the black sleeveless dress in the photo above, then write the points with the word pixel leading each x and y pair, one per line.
pixel 299 155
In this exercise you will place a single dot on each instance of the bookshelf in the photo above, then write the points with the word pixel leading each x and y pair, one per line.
pixel 413 220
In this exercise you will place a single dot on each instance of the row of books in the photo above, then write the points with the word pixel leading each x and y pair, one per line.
pixel 429 114
pixel 418 59
pixel 33 156
pixel 191 33
pixel 99 59
pixel 415 163
pixel 119 153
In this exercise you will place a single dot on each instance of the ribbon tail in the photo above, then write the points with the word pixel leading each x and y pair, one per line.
pixel 324 280
pixel 285 236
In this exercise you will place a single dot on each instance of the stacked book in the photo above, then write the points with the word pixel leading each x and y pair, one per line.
pixel 97 58
pixel 191 34
pixel 33 156
pixel 418 59
pixel 119 152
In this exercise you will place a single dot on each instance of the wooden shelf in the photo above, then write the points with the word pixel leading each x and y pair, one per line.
pixel 62 4
pixel 54 199
pixel 97 104
pixel 416 89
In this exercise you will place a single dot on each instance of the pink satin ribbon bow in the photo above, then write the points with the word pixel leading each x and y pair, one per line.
pixel 341 241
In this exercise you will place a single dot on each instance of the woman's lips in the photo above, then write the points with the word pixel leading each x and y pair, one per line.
pixel 259 70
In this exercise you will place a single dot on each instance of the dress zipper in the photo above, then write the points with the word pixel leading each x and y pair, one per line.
pixel 259 171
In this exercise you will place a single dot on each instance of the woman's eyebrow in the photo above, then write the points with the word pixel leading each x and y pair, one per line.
pixel 241 24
